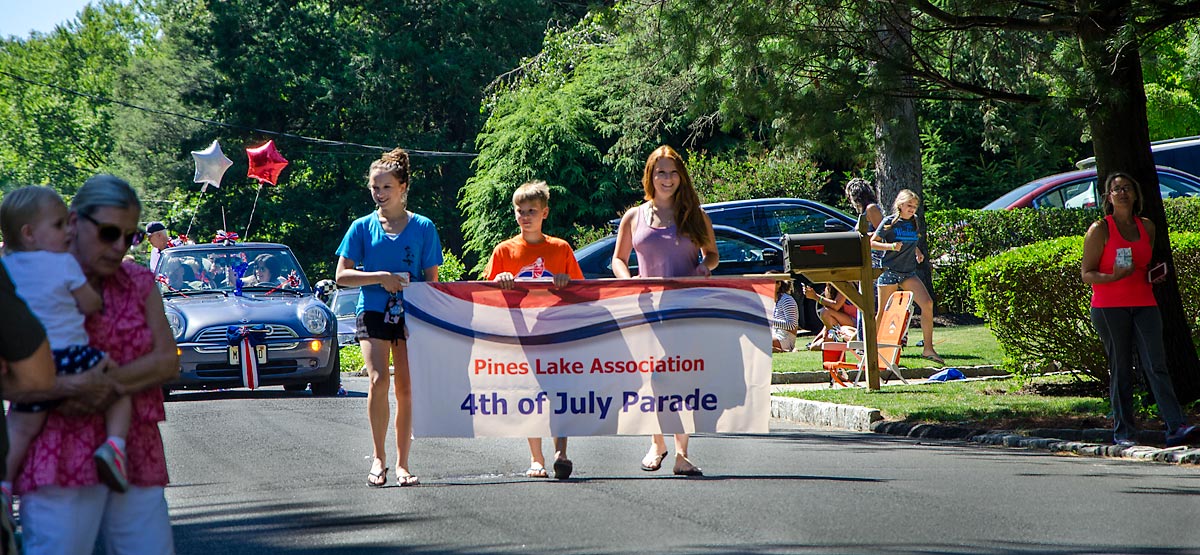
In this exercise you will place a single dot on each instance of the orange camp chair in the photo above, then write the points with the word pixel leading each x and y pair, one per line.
pixel 892 328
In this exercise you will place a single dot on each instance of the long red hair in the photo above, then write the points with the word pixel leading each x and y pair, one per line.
pixel 689 217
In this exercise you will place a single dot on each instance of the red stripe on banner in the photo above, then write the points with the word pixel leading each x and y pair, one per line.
pixel 249 364
pixel 537 294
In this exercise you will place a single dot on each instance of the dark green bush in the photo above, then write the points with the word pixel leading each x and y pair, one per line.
pixel 959 238
pixel 1038 307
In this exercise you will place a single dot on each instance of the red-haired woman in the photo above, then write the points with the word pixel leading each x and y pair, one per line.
pixel 673 237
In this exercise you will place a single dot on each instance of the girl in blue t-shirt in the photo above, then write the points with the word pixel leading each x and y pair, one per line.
pixel 392 246
pixel 897 235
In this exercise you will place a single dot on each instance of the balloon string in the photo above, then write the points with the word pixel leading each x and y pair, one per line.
pixel 199 201
pixel 246 236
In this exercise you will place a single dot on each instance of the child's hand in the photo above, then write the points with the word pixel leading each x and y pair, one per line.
pixel 920 256
pixel 809 292
pixel 506 279
pixel 391 283
pixel 561 280
pixel 702 270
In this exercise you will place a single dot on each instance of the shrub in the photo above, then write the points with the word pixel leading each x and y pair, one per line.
pixel 1039 309
pixel 452 269
pixel 959 238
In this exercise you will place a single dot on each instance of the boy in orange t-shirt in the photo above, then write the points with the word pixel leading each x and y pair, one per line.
pixel 535 255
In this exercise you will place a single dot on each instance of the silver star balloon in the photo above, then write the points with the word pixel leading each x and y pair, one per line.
pixel 211 165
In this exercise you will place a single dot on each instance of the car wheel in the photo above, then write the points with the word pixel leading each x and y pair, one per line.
pixel 330 386
pixel 294 387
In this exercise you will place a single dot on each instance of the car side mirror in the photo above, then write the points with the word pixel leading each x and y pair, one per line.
pixel 834 225
pixel 772 257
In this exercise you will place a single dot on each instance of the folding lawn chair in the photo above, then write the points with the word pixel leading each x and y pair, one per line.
pixel 892 328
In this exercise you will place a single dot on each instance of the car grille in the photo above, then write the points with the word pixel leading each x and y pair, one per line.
pixel 218 335
pixel 219 370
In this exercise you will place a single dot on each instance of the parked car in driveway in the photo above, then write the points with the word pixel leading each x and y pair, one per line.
pixel 741 253
pixel 343 302
pixel 1182 154
pixel 772 218
pixel 201 296
pixel 1077 189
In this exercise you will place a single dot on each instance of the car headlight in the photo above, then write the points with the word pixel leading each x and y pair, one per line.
pixel 175 319
pixel 315 320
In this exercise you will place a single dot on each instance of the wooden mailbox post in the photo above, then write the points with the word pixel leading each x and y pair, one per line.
pixel 831 258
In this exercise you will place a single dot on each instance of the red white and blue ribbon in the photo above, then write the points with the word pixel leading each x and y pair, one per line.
pixel 246 338
pixel 162 278
pixel 225 237
pixel 292 281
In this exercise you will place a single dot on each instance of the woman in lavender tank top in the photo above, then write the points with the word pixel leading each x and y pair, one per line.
pixel 673 237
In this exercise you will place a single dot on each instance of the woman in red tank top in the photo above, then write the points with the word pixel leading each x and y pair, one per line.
pixel 1117 254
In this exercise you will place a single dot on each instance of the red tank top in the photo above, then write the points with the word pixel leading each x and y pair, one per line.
pixel 1134 289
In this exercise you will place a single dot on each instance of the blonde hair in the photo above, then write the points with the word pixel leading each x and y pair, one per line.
pixel 902 197
pixel 23 207
pixel 533 191
pixel 689 217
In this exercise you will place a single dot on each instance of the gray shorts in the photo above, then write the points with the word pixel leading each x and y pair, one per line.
pixel 889 277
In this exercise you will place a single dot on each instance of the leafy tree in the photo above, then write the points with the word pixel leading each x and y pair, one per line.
pixel 50 135
pixel 363 72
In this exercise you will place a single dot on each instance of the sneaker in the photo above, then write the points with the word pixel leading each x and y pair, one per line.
pixel 1185 435
pixel 110 465
pixel 1124 443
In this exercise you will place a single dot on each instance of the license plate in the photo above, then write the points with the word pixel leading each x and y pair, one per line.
pixel 235 354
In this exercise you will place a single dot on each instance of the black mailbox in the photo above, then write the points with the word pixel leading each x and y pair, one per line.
pixel 805 251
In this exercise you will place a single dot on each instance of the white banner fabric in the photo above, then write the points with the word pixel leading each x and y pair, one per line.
pixel 597 357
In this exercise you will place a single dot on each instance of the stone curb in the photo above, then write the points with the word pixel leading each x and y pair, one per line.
pixel 1091 442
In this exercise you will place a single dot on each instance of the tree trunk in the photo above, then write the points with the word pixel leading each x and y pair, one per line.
pixel 897 133
pixel 1121 138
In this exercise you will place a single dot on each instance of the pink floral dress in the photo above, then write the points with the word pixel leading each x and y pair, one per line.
pixel 62 454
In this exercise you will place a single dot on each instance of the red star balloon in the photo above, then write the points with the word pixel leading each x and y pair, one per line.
pixel 265 163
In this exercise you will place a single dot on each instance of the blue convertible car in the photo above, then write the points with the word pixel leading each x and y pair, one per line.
pixel 208 288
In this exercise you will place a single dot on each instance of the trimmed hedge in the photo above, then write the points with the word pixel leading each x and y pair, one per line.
pixel 1038 307
pixel 959 238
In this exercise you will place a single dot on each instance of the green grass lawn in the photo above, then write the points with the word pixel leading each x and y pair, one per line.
pixel 998 402
pixel 958 345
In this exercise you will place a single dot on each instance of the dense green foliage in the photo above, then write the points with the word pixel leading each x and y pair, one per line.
pixel 960 238
pixel 1038 307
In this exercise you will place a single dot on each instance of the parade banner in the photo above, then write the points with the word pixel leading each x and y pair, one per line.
pixel 596 357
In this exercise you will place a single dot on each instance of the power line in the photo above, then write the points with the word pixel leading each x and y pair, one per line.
pixel 314 140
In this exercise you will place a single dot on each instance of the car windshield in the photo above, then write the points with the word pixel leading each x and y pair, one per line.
pixel 215 269
pixel 345 303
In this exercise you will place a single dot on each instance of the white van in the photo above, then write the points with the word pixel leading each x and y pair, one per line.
pixel 1181 154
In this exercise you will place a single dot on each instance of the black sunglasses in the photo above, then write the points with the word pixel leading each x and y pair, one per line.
pixel 110 233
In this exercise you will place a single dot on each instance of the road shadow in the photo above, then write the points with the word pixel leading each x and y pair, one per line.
pixel 184 395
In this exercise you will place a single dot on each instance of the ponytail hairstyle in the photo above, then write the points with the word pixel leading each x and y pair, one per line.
pixel 902 197
pixel 860 194
pixel 394 162
pixel 689 217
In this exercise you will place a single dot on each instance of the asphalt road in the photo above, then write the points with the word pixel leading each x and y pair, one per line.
pixel 269 472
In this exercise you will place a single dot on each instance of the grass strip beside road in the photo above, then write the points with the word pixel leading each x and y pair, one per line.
pixel 997 403
pixel 958 345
